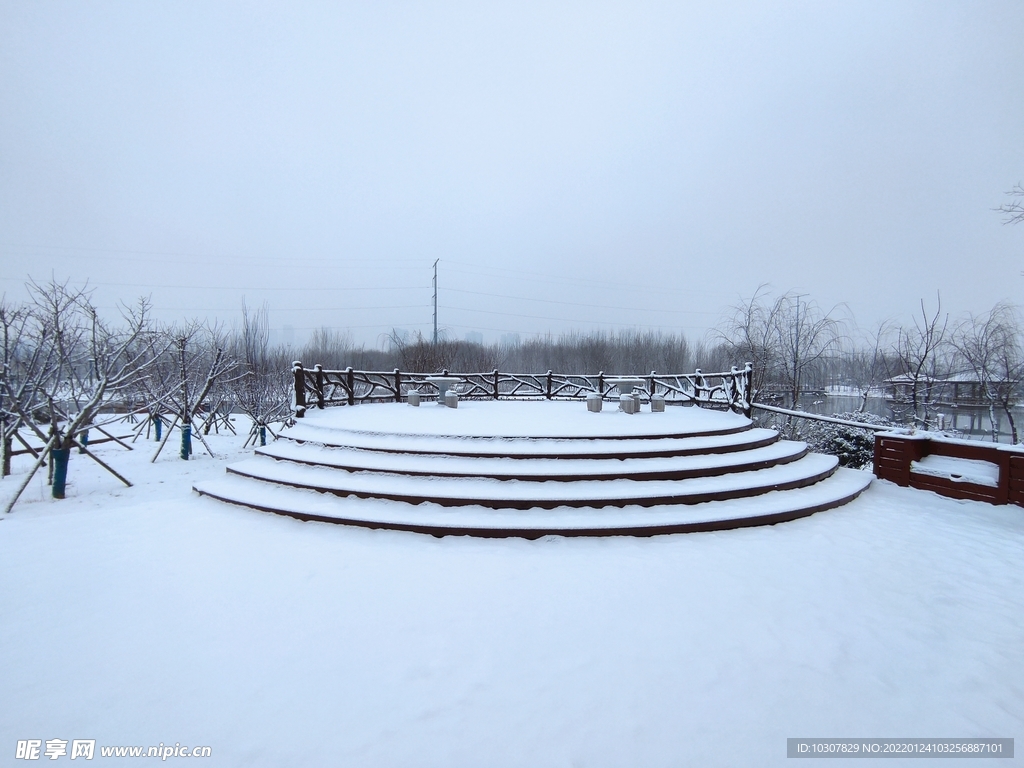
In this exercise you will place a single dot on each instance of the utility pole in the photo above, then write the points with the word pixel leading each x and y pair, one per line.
pixel 435 301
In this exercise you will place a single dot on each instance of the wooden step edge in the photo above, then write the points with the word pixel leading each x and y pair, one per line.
pixel 542 438
pixel 440 531
pixel 680 474
pixel 611 454
pixel 646 501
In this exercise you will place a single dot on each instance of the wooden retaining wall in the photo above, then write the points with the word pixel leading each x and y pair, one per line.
pixel 895 453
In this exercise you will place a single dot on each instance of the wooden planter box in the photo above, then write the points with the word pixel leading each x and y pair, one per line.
pixel 970 470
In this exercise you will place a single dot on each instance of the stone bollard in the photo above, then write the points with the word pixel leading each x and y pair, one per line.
pixel 451 399
pixel 657 403
pixel 627 403
pixel 413 397
pixel 594 402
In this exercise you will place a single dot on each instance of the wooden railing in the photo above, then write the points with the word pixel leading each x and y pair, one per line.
pixel 322 388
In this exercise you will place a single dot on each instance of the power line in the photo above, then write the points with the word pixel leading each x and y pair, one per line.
pixel 274 308
pixel 544 317
pixel 576 281
pixel 241 288
pixel 577 304
pixel 203 257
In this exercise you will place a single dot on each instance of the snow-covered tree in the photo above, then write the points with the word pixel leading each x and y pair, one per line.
pixel 921 349
pixel 991 347
pixel 263 387
pixel 786 339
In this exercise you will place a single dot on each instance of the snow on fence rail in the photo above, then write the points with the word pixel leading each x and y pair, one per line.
pixel 829 419
pixel 321 388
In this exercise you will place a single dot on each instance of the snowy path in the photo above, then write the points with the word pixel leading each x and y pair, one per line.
pixel 148 615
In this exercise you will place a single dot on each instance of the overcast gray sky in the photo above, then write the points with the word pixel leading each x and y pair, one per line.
pixel 572 165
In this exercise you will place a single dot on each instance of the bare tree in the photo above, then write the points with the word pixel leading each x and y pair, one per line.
pixel 81 364
pixel 992 348
pixel 424 356
pixel 750 335
pixel 194 363
pixel 872 365
pixel 263 389
pixel 328 347
pixel 1014 209
pixel 807 337
pixel 22 364
pixel 786 339
pixel 920 350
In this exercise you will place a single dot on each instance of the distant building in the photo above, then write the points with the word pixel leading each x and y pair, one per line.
pixel 964 388
pixel 282 337
pixel 475 337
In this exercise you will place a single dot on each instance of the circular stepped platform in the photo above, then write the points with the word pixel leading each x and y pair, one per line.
pixel 536 468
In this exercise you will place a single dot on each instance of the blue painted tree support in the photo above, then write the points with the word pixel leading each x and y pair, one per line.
pixel 60 458
pixel 186 442
pixel 263 435
pixel 158 426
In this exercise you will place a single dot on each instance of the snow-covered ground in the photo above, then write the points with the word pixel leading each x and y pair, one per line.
pixel 150 615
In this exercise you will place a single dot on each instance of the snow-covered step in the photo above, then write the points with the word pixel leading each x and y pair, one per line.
pixel 566 468
pixel 483 447
pixel 765 509
pixel 521 494
pixel 530 469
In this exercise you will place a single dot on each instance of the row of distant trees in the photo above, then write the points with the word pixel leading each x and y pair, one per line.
pixel 794 345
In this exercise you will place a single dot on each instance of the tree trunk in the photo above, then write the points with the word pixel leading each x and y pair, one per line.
pixel 1012 423
pixel 863 401
pixel 60 457
pixel 6 440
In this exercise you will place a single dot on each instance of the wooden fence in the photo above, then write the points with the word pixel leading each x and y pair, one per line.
pixel 902 459
pixel 321 388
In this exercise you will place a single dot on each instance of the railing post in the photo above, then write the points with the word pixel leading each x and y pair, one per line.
pixel 748 379
pixel 318 371
pixel 495 375
pixel 300 394
pixel 651 389
pixel 350 382
pixel 600 384
pixel 734 389
pixel 1003 489
pixel 398 386
pixel 549 385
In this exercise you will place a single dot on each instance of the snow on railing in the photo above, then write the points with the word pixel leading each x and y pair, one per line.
pixel 830 419
pixel 322 388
